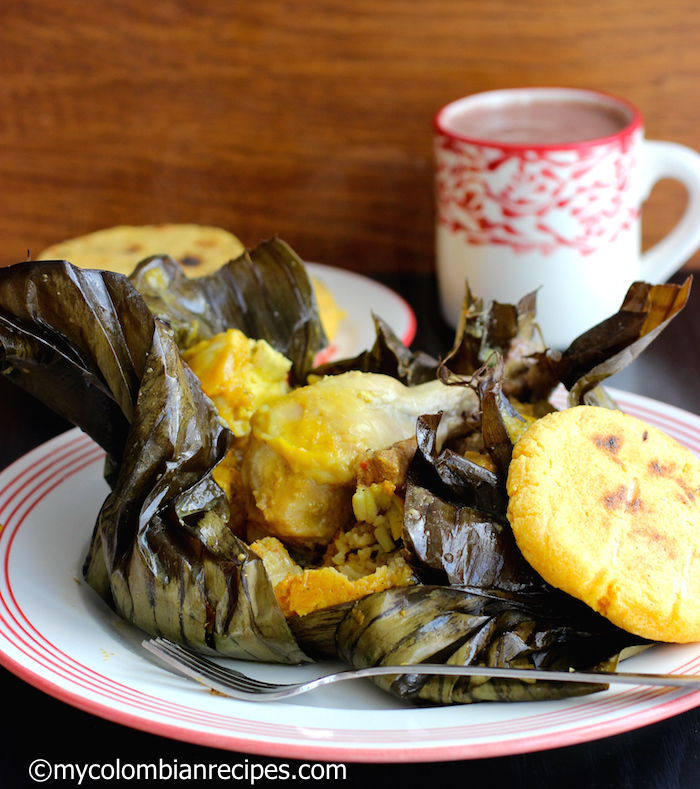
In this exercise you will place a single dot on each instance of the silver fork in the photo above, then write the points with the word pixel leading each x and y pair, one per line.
pixel 233 683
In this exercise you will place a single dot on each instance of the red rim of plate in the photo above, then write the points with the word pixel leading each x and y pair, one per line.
pixel 636 121
pixel 28 481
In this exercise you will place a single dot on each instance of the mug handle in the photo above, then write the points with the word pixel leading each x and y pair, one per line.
pixel 671 160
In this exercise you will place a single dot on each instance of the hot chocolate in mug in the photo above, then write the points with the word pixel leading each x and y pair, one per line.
pixel 541 189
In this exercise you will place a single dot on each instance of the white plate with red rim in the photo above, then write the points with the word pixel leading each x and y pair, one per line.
pixel 358 297
pixel 58 635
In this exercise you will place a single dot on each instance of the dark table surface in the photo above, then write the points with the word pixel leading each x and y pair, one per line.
pixel 664 754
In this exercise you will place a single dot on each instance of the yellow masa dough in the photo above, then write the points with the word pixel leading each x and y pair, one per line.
pixel 605 507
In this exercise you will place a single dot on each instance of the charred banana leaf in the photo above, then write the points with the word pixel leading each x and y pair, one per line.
pixel 316 632
pixel 611 345
pixel 469 545
pixel 433 624
pixel 500 422
pixel 508 331
pixel 455 520
pixel 388 356
pixel 78 341
pixel 452 475
pixel 162 556
pixel 265 293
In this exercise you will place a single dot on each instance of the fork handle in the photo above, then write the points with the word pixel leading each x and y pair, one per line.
pixel 597 677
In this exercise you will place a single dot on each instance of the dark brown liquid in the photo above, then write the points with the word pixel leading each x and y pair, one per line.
pixel 540 122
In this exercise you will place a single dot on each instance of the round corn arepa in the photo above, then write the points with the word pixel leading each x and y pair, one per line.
pixel 199 249
pixel 605 508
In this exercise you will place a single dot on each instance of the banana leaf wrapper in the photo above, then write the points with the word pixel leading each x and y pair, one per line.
pixel 498 421
pixel 508 331
pixel 265 293
pixel 435 624
pixel 388 356
pixel 317 632
pixel 496 414
pixel 532 371
pixel 532 375
pixel 611 345
pixel 452 475
pixel 455 521
pixel 161 555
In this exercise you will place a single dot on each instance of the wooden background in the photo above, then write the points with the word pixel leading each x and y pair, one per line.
pixel 309 120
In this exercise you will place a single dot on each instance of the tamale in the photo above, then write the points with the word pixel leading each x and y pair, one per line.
pixel 161 555
pixel 105 353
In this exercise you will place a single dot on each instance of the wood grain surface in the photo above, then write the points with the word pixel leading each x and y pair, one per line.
pixel 309 120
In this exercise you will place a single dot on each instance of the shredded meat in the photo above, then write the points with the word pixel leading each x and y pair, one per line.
pixel 387 464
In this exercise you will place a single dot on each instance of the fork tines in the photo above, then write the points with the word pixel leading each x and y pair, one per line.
pixel 228 678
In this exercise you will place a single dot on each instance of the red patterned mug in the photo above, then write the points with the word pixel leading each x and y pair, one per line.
pixel 541 189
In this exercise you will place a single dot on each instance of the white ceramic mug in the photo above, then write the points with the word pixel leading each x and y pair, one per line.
pixel 553 213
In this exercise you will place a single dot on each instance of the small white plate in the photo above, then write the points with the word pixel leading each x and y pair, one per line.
pixel 359 297
pixel 57 635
